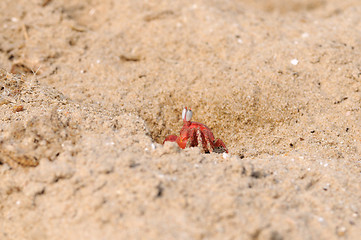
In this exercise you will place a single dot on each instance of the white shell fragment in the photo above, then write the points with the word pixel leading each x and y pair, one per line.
pixel 305 35
pixel 294 61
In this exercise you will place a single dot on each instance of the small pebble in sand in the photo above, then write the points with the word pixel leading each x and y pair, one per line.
pixel 18 108
pixel 91 12
pixel 305 35
pixel 225 155
pixel 109 143
pixel 341 231
pixel 294 61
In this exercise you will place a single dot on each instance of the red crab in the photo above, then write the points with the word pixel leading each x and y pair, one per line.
pixel 195 134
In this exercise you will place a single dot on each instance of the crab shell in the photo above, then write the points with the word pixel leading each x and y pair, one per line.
pixel 195 134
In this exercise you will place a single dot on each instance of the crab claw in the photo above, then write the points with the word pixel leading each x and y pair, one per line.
pixel 170 138
pixel 220 147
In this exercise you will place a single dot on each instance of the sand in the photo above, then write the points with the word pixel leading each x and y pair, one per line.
pixel 90 89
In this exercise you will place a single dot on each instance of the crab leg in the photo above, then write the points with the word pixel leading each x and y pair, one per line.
pixel 209 143
pixel 220 143
pixel 203 141
pixel 191 134
pixel 189 141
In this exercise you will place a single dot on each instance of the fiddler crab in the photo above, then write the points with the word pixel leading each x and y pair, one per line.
pixel 195 134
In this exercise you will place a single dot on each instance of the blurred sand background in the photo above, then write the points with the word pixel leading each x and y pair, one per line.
pixel 89 90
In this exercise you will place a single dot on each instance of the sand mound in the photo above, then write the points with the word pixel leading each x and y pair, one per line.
pixel 90 89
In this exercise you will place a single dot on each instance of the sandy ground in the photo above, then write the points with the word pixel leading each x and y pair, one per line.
pixel 90 89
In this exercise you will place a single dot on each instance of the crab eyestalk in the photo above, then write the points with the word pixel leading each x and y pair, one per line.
pixel 184 113
pixel 189 115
